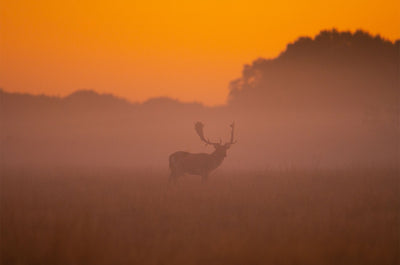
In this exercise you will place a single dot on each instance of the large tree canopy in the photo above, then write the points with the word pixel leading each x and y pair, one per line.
pixel 333 70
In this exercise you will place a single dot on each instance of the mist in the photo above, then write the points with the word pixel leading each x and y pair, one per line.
pixel 331 101
pixel 311 176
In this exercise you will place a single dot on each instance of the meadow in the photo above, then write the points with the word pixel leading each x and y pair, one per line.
pixel 107 216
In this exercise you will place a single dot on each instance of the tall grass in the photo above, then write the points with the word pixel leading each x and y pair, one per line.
pixel 115 217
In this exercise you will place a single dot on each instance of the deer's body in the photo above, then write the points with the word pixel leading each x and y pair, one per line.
pixel 201 164
pixel 181 163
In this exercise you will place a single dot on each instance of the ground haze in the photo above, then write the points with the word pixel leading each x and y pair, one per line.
pixel 270 217
pixel 313 176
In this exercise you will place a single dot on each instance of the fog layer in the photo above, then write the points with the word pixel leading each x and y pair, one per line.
pixel 327 101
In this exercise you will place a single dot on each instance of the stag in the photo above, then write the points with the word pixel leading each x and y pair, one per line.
pixel 202 164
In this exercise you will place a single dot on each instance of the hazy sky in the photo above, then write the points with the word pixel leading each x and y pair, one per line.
pixel 188 50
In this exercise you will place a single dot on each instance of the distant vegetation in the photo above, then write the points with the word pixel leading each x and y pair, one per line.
pixel 327 101
pixel 333 70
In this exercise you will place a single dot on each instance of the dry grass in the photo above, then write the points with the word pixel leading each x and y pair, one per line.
pixel 109 217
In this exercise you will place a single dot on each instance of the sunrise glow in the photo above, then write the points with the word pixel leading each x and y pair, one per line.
pixel 180 49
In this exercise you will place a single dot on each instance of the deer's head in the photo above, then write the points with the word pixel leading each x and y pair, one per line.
pixel 220 148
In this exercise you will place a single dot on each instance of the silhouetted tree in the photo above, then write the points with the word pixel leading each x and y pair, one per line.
pixel 335 70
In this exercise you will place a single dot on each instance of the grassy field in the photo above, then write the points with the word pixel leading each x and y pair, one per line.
pixel 120 217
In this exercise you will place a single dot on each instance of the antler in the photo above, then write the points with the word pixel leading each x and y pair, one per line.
pixel 199 129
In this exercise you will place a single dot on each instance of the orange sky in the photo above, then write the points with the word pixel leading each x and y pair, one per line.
pixel 188 50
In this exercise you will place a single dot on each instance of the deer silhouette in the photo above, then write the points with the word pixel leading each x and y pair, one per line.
pixel 181 163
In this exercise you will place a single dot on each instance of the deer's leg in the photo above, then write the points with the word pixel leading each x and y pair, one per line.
pixel 175 174
pixel 204 178
pixel 172 177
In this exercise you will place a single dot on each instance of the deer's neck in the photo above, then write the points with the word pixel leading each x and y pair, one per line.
pixel 217 158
